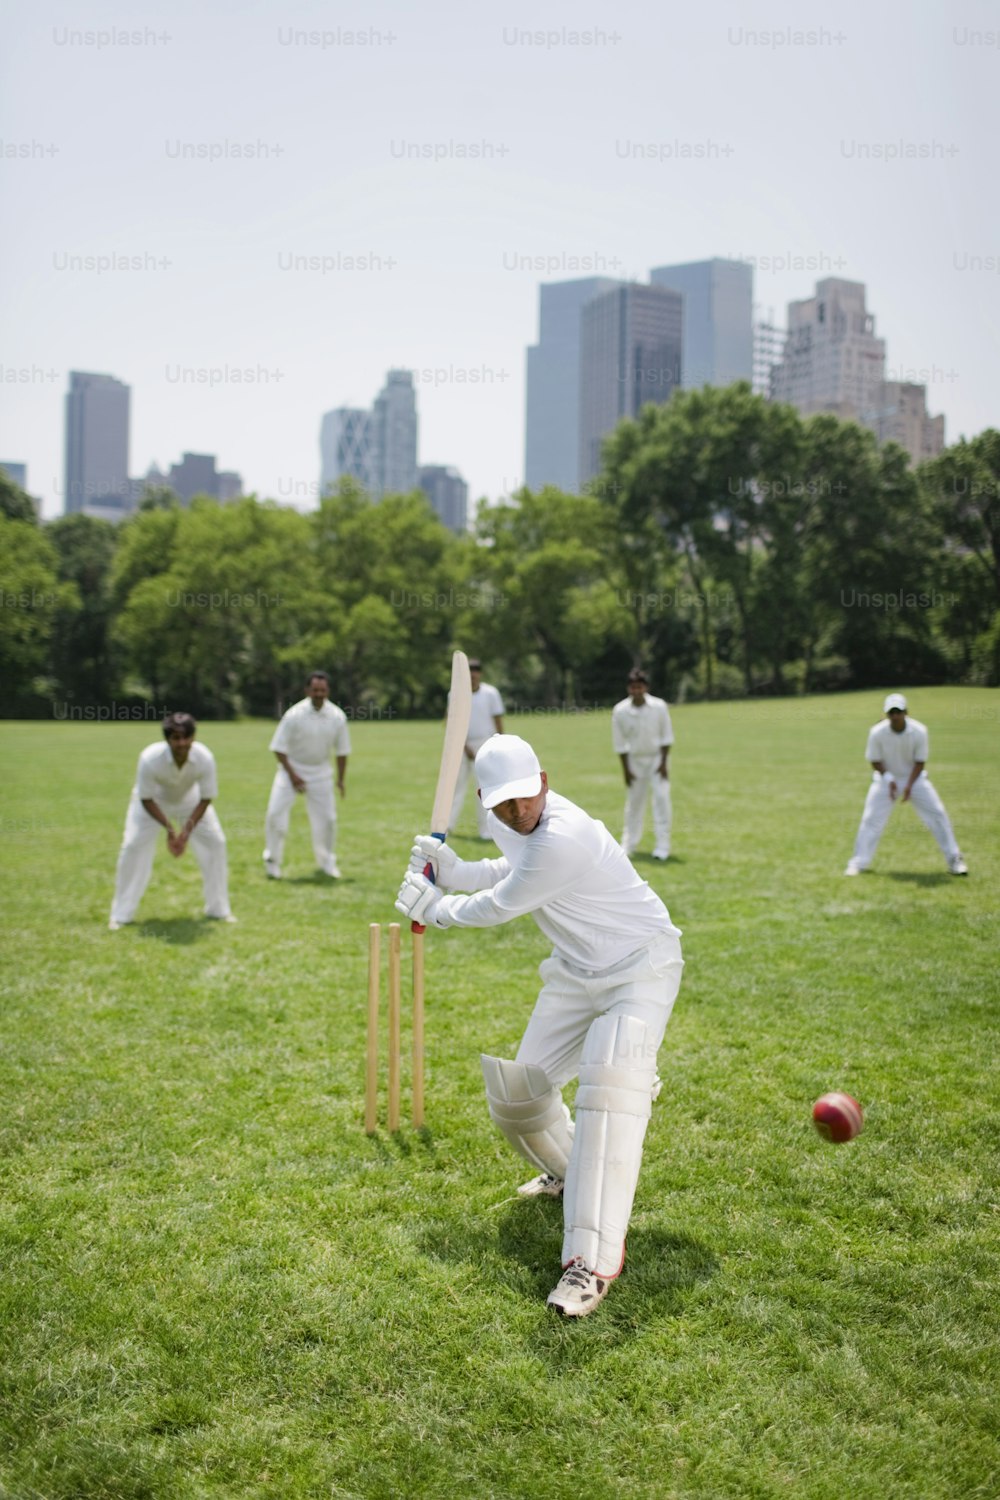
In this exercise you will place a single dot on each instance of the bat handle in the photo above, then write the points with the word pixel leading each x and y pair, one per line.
pixel 418 927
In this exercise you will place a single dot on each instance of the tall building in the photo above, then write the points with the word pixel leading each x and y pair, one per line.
pixel 394 426
pixel 834 362
pixel 832 359
pixel 448 493
pixel 196 474
pixel 718 319
pixel 902 418
pixel 552 415
pixel 630 355
pixel 96 450
pixel 347 446
pixel 768 351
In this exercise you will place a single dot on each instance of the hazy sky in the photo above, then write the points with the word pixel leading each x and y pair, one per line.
pixel 463 155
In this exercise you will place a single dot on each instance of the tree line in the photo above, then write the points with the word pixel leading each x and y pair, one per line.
pixel 728 545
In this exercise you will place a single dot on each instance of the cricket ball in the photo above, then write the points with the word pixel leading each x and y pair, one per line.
pixel 838 1117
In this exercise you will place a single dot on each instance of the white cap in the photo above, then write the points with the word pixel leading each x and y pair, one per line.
pixel 506 766
pixel 894 700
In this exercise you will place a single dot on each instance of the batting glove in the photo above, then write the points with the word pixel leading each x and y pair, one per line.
pixel 418 899
pixel 442 860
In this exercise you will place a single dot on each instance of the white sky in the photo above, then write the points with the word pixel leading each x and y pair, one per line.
pixel 785 137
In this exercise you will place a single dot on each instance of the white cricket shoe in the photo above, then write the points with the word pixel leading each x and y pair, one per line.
pixel 213 917
pixel 578 1291
pixel 271 870
pixel 659 854
pixel 853 868
pixel 114 926
pixel 545 1186
pixel 958 866
pixel 333 871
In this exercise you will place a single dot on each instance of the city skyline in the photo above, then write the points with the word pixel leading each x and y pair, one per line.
pixel 253 259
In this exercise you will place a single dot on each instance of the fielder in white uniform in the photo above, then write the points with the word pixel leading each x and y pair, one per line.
pixel 175 783
pixel 642 735
pixel 608 988
pixel 486 719
pixel 897 749
pixel 307 735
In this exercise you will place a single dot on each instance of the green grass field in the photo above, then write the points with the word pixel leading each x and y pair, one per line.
pixel 214 1284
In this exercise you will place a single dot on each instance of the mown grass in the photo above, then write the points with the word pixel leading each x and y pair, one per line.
pixel 216 1285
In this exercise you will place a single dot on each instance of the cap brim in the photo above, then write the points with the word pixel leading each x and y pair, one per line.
pixel 527 786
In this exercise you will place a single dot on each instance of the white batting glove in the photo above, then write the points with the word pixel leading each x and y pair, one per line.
pixel 417 899
pixel 429 850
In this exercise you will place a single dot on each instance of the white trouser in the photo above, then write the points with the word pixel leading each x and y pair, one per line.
pixel 642 988
pixel 322 812
pixel 878 806
pixel 135 858
pixel 645 776
pixel 466 771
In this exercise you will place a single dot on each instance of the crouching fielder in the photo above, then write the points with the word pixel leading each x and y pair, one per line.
pixel 608 988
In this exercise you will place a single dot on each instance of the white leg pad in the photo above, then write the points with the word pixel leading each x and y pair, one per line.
pixel 613 1103
pixel 529 1111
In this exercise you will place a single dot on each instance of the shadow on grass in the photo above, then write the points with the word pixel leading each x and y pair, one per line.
pixel 661 1268
pixel 177 931
pixel 316 878
pixel 908 877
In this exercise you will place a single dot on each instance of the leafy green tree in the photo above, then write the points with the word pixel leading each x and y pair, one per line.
pixel 32 599
pixel 545 557
pixel 391 572
pixel 15 504
pixel 84 663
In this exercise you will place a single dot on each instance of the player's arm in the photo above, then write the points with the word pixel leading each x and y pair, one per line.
pixel 629 777
pixel 452 873
pixel 190 825
pixel 918 766
pixel 293 775
pixel 525 889
pixel 341 773
pixel 156 812
pixel 663 769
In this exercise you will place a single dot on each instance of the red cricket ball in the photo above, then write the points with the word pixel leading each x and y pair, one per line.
pixel 838 1117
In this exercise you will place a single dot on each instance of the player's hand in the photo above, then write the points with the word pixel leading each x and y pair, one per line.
pixel 629 778
pixel 892 792
pixel 175 843
pixel 906 795
pixel 664 772
pixel 417 899
pixel 427 850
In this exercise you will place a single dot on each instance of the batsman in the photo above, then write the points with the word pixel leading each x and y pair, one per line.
pixel 608 988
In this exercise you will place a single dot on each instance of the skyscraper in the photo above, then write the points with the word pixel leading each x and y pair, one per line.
pixel 552 415
pixel 833 362
pixel 96 448
pixel 448 493
pixel 630 355
pixel 347 447
pixel 832 359
pixel 394 427
pixel 718 319
pixel 196 474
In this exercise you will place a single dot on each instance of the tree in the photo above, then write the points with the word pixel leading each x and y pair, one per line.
pixel 15 504
pixel 32 597
pixel 84 663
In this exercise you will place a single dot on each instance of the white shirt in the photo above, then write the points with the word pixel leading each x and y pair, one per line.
pixel 641 731
pixel 160 779
pixel 897 752
pixel 309 736
pixel 572 877
pixel 487 707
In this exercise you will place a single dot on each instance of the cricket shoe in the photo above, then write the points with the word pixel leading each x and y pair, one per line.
pixel 333 871
pixel 271 870
pixel 958 866
pixel 578 1291
pixel 661 855
pixel 853 868
pixel 545 1186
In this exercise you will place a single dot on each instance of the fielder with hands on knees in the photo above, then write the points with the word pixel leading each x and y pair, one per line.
pixel 897 751
pixel 608 989
pixel 175 782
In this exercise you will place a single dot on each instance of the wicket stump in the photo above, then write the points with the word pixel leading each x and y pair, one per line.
pixel 395 1028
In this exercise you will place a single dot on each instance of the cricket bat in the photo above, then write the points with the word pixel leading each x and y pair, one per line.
pixel 456 732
